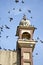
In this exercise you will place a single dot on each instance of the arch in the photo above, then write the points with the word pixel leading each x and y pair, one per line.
pixel 26 35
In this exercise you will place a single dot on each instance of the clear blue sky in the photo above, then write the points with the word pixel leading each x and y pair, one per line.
pixel 36 7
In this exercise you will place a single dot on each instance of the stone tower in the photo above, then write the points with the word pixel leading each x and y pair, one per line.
pixel 25 42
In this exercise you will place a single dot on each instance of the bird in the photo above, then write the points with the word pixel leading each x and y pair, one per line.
pixel 13 8
pixel 41 41
pixel 22 1
pixel 9 49
pixel 0 32
pixel 11 19
pixel 13 49
pixel 37 38
pixel 0 47
pixel 32 56
pixel 4 49
pixel 7 36
pixel 31 17
pixel 1 27
pixel 20 10
pixel 7 27
pixel 36 53
pixel 9 12
pixel 0 36
pixel 29 11
pixel 16 1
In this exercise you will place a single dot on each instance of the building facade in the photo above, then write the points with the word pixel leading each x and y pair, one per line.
pixel 24 48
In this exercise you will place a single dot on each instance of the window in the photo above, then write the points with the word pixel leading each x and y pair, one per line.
pixel 26 35
pixel 26 55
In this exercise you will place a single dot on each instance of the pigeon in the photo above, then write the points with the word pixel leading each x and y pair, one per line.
pixel 7 36
pixel 29 11
pixel 7 27
pixel 36 53
pixel 0 36
pixel 4 49
pixel 9 12
pixel 37 38
pixel 41 41
pixel 0 47
pixel 16 1
pixel 20 10
pixel 1 27
pixel 31 17
pixel 2 30
pixel 22 1
pixel 0 33
pixel 13 8
pixel 11 19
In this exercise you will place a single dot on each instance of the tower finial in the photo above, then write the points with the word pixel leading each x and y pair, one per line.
pixel 24 17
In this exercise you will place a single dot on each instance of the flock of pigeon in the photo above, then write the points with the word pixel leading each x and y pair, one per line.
pixel 10 19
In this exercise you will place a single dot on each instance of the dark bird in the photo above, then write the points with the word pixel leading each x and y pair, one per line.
pixel 7 36
pixel 1 27
pixel 36 53
pixel 13 49
pixel 32 56
pixel 9 12
pixel 41 41
pixel 7 27
pixel 31 17
pixel 9 49
pixel 20 10
pixel 4 49
pixel 16 1
pixel 37 38
pixel 0 36
pixel 22 1
pixel 11 19
pixel 0 47
pixel 29 11
pixel 13 8
pixel 0 32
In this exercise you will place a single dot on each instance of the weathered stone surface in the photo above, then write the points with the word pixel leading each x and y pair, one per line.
pixel 8 57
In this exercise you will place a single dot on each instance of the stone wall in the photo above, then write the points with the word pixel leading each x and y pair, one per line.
pixel 8 57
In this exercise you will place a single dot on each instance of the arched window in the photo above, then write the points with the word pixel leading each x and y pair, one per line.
pixel 26 35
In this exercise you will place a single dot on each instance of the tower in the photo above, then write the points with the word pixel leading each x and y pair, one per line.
pixel 25 42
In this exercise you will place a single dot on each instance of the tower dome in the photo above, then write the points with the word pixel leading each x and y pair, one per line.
pixel 25 21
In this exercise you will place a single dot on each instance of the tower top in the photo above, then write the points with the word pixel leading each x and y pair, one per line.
pixel 25 21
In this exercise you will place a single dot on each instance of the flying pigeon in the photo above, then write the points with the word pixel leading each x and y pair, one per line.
pixel 36 53
pixel 29 11
pixel 20 10
pixel 41 41
pixel 11 19
pixel 0 32
pixel 31 17
pixel 22 1
pixel 9 12
pixel 13 8
pixel 0 47
pixel 7 27
pixel 37 38
pixel 7 36
pixel 16 1
pixel 0 36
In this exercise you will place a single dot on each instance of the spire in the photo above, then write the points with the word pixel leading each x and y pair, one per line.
pixel 24 17
pixel 25 21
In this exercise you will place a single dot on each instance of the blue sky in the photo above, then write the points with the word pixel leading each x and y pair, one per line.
pixel 36 7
